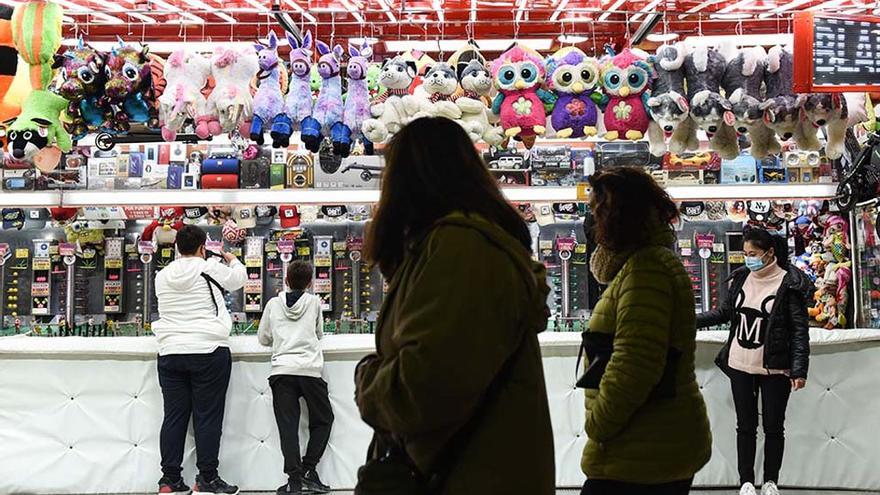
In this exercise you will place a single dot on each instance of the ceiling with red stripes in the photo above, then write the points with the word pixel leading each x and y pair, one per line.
pixel 595 21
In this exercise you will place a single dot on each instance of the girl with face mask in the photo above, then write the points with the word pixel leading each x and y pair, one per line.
pixel 768 351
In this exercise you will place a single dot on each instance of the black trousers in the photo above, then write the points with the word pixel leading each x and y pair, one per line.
pixel 193 385
pixel 774 391
pixel 286 392
pixel 609 487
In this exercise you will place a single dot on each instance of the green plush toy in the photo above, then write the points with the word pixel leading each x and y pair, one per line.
pixel 37 134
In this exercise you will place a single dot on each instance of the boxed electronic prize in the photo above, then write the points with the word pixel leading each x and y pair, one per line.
pixel 740 170
pixel 353 172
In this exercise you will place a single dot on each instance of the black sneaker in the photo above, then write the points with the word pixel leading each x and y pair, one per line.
pixel 168 487
pixel 215 487
pixel 312 484
pixel 293 487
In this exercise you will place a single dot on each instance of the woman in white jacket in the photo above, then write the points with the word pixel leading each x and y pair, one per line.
pixel 292 324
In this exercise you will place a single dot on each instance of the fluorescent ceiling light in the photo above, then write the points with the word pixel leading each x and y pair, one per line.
pixel 163 46
pixel 648 8
pixel 358 42
pixel 257 5
pixel 611 10
pixel 734 6
pixel 570 38
pixel 559 9
pixel 474 10
pixel 295 6
pixel 740 40
pixel 449 46
pixel 853 11
pixel 661 37
pixel 791 5
pixel 387 9
pixel 171 8
pixel 520 9
pixel 352 10
pixel 827 5
pixel 436 5
pixel 199 4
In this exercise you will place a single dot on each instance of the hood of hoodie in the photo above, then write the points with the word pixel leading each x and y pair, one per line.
pixel 183 273
pixel 295 305
pixel 534 274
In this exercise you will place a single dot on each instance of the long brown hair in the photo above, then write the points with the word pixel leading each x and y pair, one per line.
pixel 431 170
pixel 625 202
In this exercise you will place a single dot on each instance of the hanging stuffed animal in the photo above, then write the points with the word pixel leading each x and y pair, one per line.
pixel 373 73
pixel 164 229
pixel 668 105
pixel 128 92
pixel 356 110
pixel 269 101
pixel 626 78
pixel 326 119
pixel 742 83
pixel 476 84
pixel 186 73
pixel 440 84
pixel 389 114
pixel 574 78
pixel 704 70
pixel 81 84
pixel 521 101
pixel 9 104
pixel 231 100
pixel 837 113
pixel 781 106
pixel 298 104
pixel 37 134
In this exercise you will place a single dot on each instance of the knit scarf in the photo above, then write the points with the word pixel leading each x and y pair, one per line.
pixel 440 97
pixel 605 263
pixel 389 93
pixel 468 94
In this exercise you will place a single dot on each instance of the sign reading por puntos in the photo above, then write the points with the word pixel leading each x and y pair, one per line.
pixel 835 54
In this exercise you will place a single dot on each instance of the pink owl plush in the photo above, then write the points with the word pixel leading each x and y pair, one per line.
pixel 626 78
pixel 521 102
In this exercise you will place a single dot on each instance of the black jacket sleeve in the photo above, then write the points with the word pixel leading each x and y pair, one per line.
pixel 800 335
pixel 717 316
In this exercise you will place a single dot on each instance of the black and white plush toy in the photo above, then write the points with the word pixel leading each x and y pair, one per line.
pixel 837 113
pixel 476 84
pixel 782 106
pixel 704 69
pixel 668 105
pixel 440 83
pixel 742 84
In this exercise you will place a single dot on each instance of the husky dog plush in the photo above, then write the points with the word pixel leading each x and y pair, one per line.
pixel 782 107
pixel 668 106
pixel 704 69
pixel 387 109
pixel 837 112
pixel 742 83
pixel 476 84
pixel 440 83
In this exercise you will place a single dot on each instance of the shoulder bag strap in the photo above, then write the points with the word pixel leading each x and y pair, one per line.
pixel 211 282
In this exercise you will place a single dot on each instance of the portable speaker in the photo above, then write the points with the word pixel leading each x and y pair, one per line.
pixel 220 181
pixel 255 173
pixel 300 171
pixel 220 166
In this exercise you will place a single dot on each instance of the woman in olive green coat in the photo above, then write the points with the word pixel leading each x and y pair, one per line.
pixel 457 344
pixel 646 420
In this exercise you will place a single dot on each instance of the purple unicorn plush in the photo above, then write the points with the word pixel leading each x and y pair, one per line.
pixel 298 105
pixel 326 117
pixel 357 103
pixel 268 102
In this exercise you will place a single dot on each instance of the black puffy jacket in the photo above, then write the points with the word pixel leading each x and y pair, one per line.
pixel 787 346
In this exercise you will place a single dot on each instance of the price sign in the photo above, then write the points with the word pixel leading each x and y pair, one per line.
pixel 4 248
pixel 214 246
pixel 65 249
pixel 836 54
pixel 286 247
pixel 146 247
pixel 565 243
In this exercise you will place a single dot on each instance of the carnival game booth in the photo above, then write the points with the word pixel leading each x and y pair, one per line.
pixel 266 122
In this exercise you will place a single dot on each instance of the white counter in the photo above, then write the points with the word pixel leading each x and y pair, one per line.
pixel 82 415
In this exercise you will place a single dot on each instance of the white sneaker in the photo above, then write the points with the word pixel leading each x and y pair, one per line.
pixel 769 488
pixel 748 489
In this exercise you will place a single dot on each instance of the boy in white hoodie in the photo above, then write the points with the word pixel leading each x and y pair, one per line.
pixel 194 360
pixel 292 324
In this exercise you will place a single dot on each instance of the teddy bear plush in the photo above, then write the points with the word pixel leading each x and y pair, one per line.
pixel 186 73
pixel 782 106
pixel 743 80
pixel 387 109
pixel 440 85
pixel 475 83
pixel 231 100
pixel 668 105
pixel 704 70
pixel 837 113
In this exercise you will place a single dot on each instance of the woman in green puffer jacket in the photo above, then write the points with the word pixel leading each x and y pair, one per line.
pixel 646 420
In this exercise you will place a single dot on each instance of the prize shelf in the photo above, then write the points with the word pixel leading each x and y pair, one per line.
pixel 81 198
